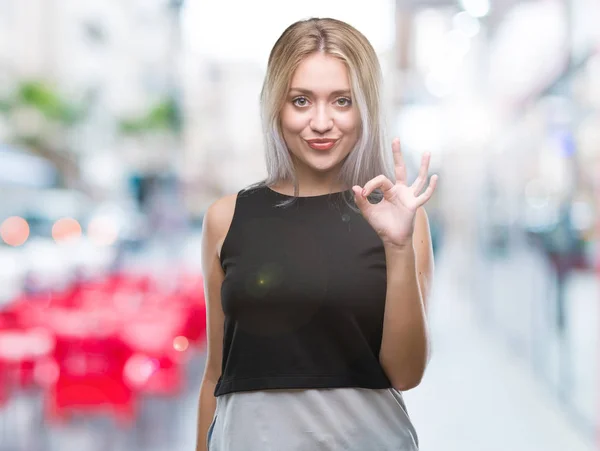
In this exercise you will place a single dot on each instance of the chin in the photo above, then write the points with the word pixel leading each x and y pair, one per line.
pixel 323 164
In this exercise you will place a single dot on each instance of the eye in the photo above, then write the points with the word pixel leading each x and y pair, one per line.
pixel 300 101
pixel 344 101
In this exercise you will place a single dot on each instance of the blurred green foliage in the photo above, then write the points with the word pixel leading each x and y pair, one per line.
pixel 44 98
pixel 58 110
pixel 163 116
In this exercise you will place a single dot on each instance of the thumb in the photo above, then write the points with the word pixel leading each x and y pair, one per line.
pixel 361 202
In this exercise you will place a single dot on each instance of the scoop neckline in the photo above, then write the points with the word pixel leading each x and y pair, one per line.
pixel 317 196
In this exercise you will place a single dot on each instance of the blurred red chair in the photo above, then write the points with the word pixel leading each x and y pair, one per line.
pixel 195 325
pixel 4 391
pixel 90 359
pixel 20 351
pixel 140 282
pixel 157 366
pixel 191 294
pixel 161 376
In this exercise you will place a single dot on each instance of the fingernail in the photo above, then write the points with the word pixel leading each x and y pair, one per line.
pixel 364 192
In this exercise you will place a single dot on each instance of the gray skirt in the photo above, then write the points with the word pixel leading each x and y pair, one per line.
pixel 352 419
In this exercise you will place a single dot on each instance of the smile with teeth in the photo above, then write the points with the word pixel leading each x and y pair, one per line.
pixel 321 144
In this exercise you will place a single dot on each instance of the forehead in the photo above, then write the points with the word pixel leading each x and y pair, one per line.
pixel 321 72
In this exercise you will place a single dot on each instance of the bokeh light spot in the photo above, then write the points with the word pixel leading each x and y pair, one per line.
pixel 66 229
pixel 180 343
pixel 14 231
pixel 102 231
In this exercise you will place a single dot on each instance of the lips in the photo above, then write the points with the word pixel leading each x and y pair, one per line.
pixel 321 144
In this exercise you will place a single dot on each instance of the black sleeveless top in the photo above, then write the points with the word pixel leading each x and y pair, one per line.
pixel 303 295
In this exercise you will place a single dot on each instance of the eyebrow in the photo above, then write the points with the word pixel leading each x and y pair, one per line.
pixel 339 92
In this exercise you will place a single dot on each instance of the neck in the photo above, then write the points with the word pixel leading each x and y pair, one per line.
pixel 287 188
pixel 311 182
pixel 310 186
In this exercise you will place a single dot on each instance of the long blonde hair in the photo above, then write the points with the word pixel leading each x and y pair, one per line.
pixel 339 39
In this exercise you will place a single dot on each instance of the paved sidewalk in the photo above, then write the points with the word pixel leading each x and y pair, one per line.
pixel 476 396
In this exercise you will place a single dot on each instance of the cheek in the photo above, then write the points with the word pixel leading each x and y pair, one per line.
pixel 292 121
pixel 349 124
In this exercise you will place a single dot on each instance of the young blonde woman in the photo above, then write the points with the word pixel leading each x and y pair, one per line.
pixel 317 278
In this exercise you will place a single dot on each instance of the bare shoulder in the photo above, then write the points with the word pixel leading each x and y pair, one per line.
pixel 220 212
pixel 217 220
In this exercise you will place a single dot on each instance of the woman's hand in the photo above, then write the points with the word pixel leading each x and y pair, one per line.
pixel 393 218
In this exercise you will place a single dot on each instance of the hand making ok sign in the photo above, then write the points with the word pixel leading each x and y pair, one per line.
pixel 393 218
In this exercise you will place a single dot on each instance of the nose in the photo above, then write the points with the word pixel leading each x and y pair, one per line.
pixel 321 121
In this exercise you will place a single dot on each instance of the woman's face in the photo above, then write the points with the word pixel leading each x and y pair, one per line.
pixel 319 120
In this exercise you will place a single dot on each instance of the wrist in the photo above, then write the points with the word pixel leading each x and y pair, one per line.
pixel 402 246
pixel 400 258
pixel 399 250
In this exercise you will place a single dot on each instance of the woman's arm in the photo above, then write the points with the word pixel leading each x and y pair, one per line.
pixel 215 226
pixel 405 343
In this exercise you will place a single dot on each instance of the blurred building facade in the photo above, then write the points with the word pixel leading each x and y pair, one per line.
pixel 114 60
pixel 505 96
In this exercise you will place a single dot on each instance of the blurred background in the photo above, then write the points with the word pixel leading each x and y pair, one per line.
pixel 122 120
